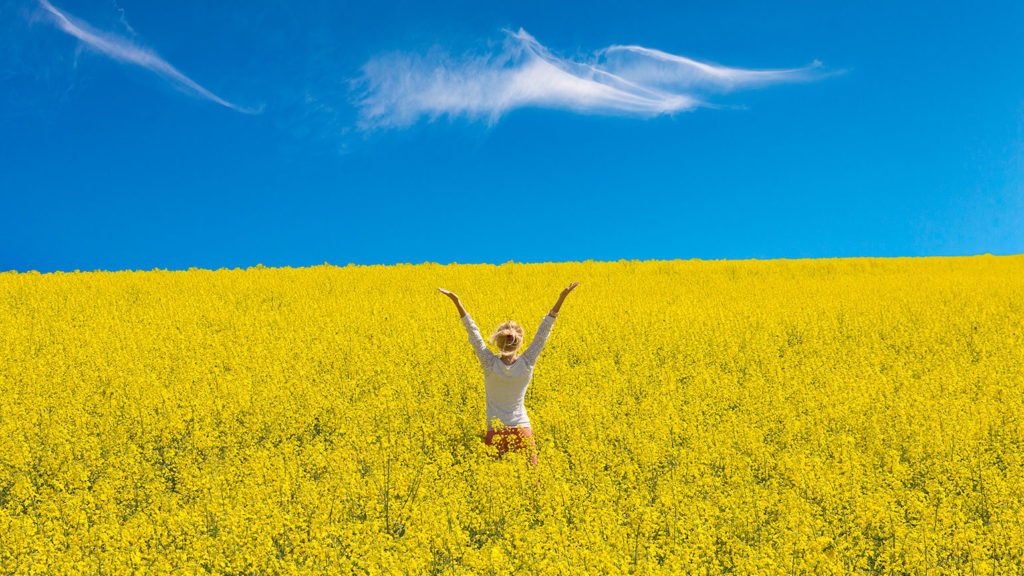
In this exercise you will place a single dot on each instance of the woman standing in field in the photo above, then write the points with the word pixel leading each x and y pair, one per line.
pixel 508 375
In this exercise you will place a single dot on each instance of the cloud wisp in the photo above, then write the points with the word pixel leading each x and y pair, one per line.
pixel 398 89
pixel 125 50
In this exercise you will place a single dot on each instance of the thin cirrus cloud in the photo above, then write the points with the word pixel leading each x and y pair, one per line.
pixel 398 89
pixel 124 50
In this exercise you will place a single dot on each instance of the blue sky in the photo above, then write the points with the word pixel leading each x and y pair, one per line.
pixel 136 135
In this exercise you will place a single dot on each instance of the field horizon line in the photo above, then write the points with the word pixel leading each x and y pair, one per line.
pixel 430 264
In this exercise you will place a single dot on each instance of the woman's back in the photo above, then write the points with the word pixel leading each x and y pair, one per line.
pixel 505 385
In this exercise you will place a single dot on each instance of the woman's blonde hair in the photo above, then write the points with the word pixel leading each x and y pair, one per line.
pixel 508 338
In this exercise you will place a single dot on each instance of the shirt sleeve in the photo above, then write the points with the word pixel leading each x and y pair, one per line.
pixel 537 344
pixel 476 341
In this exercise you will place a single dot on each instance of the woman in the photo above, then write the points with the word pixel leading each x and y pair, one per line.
pixel 508 375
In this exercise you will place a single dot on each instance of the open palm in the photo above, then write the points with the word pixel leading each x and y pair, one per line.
pixel 448 294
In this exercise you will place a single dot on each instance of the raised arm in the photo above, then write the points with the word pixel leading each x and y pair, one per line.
pixel 454 298
pixel 537 344
pixel 475 340
pixel 561 298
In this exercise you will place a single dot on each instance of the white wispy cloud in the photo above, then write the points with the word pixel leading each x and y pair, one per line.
pixel 398 89
pixel 125 50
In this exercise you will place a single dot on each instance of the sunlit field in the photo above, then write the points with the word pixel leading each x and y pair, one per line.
pixel 776 417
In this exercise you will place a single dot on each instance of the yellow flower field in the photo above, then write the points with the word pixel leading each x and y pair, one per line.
pixel 705 417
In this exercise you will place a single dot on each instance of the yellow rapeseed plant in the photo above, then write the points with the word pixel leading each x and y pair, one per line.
pixel 750 417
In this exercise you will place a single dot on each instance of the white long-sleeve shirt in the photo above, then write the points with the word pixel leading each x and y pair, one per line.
pixel 505 386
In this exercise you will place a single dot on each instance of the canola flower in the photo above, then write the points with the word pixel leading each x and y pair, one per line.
pixel 835 416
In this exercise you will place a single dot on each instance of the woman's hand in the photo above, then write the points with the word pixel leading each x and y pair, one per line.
pixel 462 311
pixel 449 294
pixel 561 298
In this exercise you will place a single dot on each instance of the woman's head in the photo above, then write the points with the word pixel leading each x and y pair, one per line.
pixel 508 338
